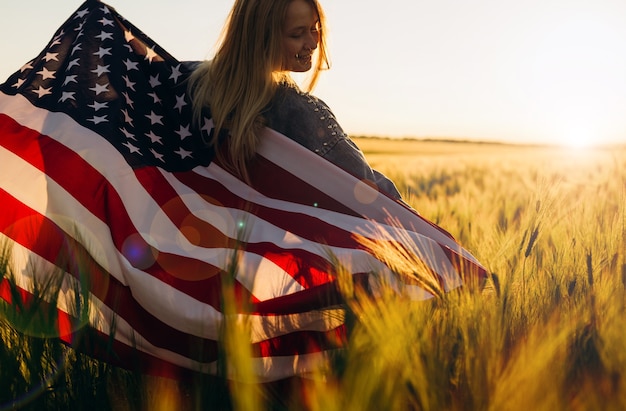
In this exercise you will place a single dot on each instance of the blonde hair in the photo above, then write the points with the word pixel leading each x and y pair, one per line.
pixel 241 79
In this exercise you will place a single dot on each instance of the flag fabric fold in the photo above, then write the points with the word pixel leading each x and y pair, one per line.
pixel 105 179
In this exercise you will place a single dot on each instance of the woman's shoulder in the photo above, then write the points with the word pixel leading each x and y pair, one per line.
pixel 289 97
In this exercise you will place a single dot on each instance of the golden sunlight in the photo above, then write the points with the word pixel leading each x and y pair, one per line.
pixel 577 138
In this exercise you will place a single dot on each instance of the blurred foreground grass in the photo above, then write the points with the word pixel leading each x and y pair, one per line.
pixel 546 333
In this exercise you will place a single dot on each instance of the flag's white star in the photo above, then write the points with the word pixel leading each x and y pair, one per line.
pixel 128 36
pixel 26 66
pixel 154 81
pixel 51 56
pixel 100 70
pixel 180 103
pixel 106 22
pixel 73 63
pixel 131 147
pixel 127 133
pixel 103 52
pixel 154 118
pixel 80 26
pixel 175 73
pixel 183 153
pixel 82 13
pixel 157 155
pixel 156 98
pixel 67 95
pixel 18 83
pixel 150 54
pixel 100 88
pixel 97 105
pixel 75 49
pixel 105 36
pixel 42 91
pixel 129 100
pixel 127 118
pixel 131 65
pixel 98 119
pixel 56 41
pixel 183 132
pixel 153 137
pixel 45 73
pixel 70 79
pixel 129 84
pixel 208 125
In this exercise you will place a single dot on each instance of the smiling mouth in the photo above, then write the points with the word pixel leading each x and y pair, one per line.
pixel 303 59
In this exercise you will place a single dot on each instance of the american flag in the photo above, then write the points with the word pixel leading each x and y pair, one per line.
pixel 105 179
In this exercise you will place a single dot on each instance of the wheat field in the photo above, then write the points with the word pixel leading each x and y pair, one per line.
pixel 545 333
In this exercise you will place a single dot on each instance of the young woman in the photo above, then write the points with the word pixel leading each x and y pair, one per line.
pixel 247 86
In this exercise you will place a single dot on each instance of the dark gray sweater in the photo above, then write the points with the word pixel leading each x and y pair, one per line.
pixel 307 120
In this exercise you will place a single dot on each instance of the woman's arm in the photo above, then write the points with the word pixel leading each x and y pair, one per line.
pixel 308 121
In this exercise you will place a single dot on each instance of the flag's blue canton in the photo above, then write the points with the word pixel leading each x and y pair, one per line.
pixel 113 79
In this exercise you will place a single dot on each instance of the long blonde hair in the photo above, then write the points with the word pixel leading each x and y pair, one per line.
pixel 240 81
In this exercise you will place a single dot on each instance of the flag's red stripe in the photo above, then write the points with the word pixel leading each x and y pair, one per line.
pixel 295 343
pixel 123 355
pixel 94 192
pixel 179 271
pixel 303 225
pixel 300 342
pixel 58 248
pixel 471 274
pixel 50 242
pixel 308 268
pixel 275 182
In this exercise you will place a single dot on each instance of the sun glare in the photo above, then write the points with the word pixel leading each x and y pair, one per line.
pixel 577 139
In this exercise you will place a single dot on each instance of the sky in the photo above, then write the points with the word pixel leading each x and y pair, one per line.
pixel 532 71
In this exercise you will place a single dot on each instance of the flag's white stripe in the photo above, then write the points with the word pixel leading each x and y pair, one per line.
pixel 262 328
pixel 198 319
pixel 318 172
pixel 261 276
pixel 144 212
pixel 146 215
pixel 101 318
pixel 341 221
pixel 261 231
pixel 187 314
pixel 30 267
pixel 266 368
pixel 173 307
pixel 33 187
pixel 258 230
pixel 149 219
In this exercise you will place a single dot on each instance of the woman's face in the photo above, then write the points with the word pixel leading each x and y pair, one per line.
pixel 300 36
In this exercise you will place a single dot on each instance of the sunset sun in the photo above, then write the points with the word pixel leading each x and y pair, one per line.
pixel 577 139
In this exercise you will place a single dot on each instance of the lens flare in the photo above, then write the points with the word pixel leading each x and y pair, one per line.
pixel 139 252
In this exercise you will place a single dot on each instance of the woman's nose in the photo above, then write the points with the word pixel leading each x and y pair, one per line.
pixel 313 40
